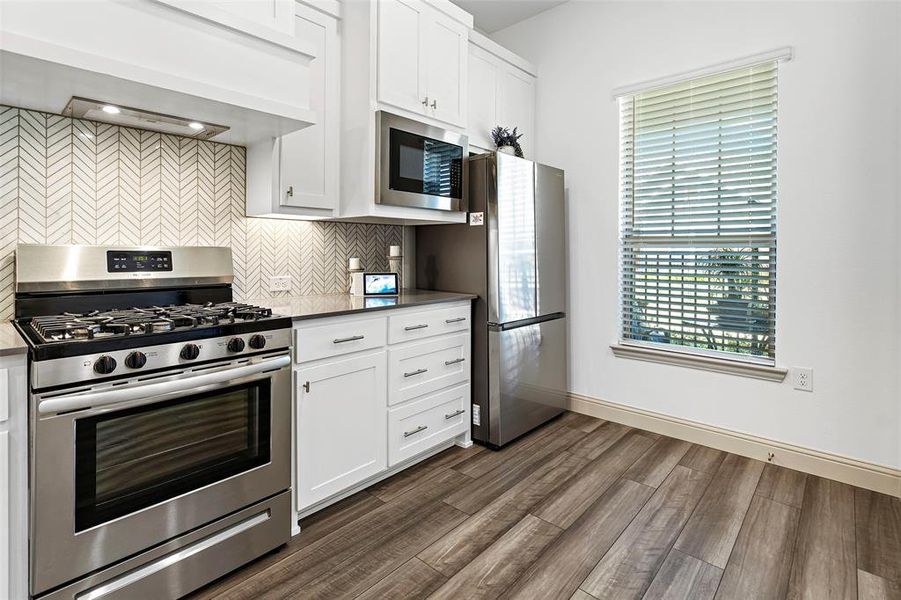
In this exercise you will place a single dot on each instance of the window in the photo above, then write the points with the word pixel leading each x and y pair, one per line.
pixel 698 229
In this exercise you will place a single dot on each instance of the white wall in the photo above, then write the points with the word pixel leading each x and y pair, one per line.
pixel 838 257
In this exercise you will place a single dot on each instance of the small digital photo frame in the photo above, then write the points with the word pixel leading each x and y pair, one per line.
pixel 380 284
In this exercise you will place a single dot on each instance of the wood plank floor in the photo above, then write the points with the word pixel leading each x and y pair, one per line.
pixel 585 509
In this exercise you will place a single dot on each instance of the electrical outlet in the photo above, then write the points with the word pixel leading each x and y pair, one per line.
pixel 803 379
pixel 280 283
pixel 476 414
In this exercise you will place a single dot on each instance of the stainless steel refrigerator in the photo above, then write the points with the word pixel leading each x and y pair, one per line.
pixel 512 254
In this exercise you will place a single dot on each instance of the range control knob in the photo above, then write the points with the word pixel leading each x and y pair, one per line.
pixel 190 351
pixel 257 342
pixel 235 344
pixel 135 360
pixel 105 365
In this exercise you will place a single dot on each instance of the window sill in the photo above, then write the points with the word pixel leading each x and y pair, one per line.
pixel 704 363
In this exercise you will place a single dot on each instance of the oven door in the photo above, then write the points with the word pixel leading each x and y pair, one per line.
pixel 121 468
pixel 420 166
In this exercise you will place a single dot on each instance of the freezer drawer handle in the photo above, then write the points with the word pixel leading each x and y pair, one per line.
pixel 415 431
pixel 453 362
pixel 352 338
pixel 416 372
pixel 413 327
pixel 455 414
pixel 457 320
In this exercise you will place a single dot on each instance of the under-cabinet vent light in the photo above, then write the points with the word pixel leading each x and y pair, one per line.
pixel 83 108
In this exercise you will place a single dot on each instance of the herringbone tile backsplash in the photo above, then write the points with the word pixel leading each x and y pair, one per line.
pixel 69 181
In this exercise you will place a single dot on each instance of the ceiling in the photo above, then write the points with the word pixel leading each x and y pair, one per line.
pixel 494 15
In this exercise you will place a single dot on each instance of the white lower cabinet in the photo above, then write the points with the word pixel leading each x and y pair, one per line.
pixel 421 367
pixel 340 405
pixel 367 401
pixel 419 424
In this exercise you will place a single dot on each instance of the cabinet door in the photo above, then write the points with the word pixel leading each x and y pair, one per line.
pixel 446 49
pixel 517 106
pixel 308 174
pixel 483 83
pixel 400 59
pixel 341 425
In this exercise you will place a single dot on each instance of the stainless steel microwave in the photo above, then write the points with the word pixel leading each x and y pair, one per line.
pixel 419 165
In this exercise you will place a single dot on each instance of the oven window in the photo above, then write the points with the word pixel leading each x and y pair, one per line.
pixel 128 460
pixel 423 165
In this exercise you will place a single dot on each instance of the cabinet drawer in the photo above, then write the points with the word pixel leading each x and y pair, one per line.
pixel 418 369
pixel 413 326
pixel 422 424
pixel 312 342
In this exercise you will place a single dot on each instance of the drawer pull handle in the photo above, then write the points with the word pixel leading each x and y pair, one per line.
pixel 455 414
pixel 415 431
pixel 457 320
pixel 453 362
pixel 413 327
pixel 416 372
pixel 352 338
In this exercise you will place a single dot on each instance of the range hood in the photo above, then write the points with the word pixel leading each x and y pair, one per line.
pixel 164 68
pixel 127 116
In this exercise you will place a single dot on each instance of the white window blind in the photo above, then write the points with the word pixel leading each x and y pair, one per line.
pixel 698 230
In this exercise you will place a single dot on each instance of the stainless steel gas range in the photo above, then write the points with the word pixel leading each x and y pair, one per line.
pixel 159 420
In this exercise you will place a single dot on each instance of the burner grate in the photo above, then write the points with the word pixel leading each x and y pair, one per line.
pixel 142 321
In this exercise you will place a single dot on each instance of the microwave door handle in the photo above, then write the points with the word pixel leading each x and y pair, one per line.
pixel 81 401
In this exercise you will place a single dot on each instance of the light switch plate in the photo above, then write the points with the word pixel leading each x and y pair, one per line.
pixel 803 379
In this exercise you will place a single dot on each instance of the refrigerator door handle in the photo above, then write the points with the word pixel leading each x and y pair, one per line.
pixel 525 322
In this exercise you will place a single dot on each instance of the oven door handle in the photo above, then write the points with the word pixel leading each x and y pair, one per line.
pixel 114 396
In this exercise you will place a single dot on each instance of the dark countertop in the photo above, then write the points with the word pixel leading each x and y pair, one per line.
pixel 330 305
pixel 10 340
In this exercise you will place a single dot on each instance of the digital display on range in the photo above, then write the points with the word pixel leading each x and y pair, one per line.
pixel 129 261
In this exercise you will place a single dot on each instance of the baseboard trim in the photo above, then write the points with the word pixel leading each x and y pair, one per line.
pixel 879 478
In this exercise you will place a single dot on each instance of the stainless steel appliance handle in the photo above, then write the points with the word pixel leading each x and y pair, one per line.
pixel 122 582
pixel 352 338
pixel 415 431
pixel 416 372
pixel 414 327
pixel 127 394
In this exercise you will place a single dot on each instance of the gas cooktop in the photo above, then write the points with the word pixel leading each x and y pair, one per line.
pixel 96 324
pixel 74 334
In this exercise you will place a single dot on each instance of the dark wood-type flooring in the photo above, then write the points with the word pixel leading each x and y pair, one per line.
pixel 584 508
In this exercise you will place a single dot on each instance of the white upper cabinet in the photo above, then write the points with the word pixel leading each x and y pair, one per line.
pixel 484 69
pixel 308 159
pixel 445 74
pixel 501 92
pixel 268 19
pixel 422 60
pixel 401 61
pixel 516 105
